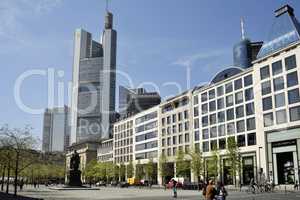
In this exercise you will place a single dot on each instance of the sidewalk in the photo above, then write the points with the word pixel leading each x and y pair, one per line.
pixel 5 196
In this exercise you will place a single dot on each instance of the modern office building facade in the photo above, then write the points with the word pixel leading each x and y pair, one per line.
pixel 56 129
pixel 132 101
pixel 94 79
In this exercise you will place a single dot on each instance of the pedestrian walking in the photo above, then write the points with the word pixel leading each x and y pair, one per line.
pixel 296 186
pixel 174 188
pixel 221 191
pixel 210 191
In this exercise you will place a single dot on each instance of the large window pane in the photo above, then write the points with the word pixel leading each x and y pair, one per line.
pixel 220 90
pixel 221 116
pixel 250 110
pixel 264 72
pixel 230 128
pixel 204 108
pixel 248 80
pixel 251 138
pixel 197 136
pixel 251 124
pixel 239 111
pixel 220 103
pixel 281 116
pixel 221 130
pixel 239 97
pixel 205 134
pixel 279 100
pixel 292 79
pixel 205 146
pixel 241 140
pixel 238 84
pixel 205 121
pixel 276 67
pixel 204 97
pixel 290 62
pixel 230 114
pixel 212 106
pixel 293 96
pixel 267 103
pixel 212 94
pixel 249 94
pixel 212 119
pixel 229 100
pixel 278 83
pixel 268 119
pixel 228 87
pixel 295 113
pixel 266 87
pixel 213 132
pixel 222 143
pixel 240 126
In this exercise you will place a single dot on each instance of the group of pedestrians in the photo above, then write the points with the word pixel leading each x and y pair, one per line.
pixel 214 192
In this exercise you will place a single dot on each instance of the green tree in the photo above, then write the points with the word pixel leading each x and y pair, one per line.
pixel 139 171
pixel 182 165
pixel 122 172
pixel 150 170
pixel 90 170
pixel 116 172
pixel 130 170
pixel 234 158
pixel 213 163
pixel 196 163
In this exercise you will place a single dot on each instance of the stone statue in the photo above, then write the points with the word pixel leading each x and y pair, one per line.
pixel 75 161
pixel 74 172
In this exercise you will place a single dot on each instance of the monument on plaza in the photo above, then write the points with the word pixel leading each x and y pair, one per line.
pixel 74 172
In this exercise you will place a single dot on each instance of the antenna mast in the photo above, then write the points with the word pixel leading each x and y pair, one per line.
pixel 242 28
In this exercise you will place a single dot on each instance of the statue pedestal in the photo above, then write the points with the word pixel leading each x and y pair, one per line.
pixel 75 178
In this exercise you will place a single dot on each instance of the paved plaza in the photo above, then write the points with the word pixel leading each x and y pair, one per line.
pixel 147 194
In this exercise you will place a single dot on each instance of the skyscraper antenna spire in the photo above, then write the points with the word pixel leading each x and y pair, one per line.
pixel 242 28
pixel 106 6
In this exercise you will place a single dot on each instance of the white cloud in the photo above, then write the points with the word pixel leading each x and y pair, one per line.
pixel 188 61
pixel 12 13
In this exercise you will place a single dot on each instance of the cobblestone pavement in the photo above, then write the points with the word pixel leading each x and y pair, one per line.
pixel 147 194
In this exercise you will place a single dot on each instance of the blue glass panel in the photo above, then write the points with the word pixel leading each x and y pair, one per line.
pixel 284 32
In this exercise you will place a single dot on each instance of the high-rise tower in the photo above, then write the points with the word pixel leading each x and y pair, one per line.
pixel 94 82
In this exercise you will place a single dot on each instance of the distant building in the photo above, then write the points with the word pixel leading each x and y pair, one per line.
pixel 94 80
pixel 132 101
pixel 56 129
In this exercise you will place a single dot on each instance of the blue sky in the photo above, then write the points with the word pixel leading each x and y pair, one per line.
pixel 156 41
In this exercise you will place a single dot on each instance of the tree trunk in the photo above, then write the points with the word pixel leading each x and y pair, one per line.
pixel 8 174
pixel 3 176
pixel 16 175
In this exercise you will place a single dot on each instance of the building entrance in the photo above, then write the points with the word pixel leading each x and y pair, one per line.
pixel 248 170
pixel 285 168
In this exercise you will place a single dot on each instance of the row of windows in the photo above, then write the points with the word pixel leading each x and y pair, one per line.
pixel 290 63
pixel 181 127
pixel 168 142
pixel 147 117
pixel 236 85
pixel 281 116
pixel 174 118
pixel 124 126
pixel 123 134
pixel 227 129
pixel 125 150
pixel 124 142
pixel 146 127
pixel 122 159
pixel 147 155
pixel 144 146
pixel 146 136
pixel 221 143
pixel 232 113
pixel 228 101
pixel 293 96
pixel 173 151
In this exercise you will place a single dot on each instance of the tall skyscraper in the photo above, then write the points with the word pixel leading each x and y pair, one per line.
pixel 94 83
pixel 56 129
pixel 132 101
